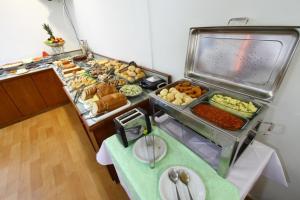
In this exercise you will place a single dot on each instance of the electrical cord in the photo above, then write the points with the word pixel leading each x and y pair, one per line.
pixel 70 20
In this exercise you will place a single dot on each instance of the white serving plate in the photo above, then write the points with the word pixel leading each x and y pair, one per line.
pixel 167 188
pixel 139 149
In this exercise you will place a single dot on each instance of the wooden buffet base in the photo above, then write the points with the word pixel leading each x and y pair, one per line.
pixel 26 95
pixel 49 157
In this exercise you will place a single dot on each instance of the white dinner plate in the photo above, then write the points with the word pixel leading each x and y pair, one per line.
pixel 167 188
pixel 140 149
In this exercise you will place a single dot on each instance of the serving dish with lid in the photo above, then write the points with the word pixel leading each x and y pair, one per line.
pixel 247 63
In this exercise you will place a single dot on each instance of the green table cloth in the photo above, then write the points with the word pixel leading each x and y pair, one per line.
pixel 141 181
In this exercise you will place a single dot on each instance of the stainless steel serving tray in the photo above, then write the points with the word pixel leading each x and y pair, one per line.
pixel 247 60
pixel 154 94
pixel 239 97
pixel 248 121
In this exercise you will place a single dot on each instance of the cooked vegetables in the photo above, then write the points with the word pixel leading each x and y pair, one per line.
pixel 234 106
pixel 131 90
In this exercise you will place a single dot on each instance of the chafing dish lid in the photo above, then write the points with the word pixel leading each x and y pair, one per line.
pixel 247 60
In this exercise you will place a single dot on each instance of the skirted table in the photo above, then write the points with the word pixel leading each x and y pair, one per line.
pixel 141 182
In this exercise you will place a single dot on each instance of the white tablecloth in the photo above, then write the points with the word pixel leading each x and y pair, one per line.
pixel 258 159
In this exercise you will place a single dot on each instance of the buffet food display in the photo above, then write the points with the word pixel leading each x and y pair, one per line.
pixel 101 86
pixel 131 73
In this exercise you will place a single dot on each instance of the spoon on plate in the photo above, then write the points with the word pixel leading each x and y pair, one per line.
pixel 173 176
pixel 185 179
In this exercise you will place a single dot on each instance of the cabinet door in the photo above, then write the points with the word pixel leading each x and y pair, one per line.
pixel 50 87
pixel 8 110
pixel 24 94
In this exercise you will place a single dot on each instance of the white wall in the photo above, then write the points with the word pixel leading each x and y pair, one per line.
pixel 115 28
pixel 21 33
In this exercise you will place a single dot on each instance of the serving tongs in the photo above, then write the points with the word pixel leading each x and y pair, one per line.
pixel 78 93
pixel 80 90
pixel 126 68
pixel 93 117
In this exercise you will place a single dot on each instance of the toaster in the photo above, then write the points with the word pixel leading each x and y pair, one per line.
pixel 132 125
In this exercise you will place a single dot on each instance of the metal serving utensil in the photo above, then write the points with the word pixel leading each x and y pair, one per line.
pixel 185 179
pixel 173 176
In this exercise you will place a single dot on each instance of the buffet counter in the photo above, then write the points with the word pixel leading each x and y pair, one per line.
pixel 44 87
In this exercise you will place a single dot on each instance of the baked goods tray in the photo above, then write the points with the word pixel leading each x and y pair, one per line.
pixel 84 110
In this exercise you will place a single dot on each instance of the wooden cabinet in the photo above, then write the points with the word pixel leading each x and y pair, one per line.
pixel 29 94
pixel 8 110
pixel 25 95
pixel 50 88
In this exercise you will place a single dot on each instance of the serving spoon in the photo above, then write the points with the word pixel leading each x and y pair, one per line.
pixel 185 178
pixel 173 176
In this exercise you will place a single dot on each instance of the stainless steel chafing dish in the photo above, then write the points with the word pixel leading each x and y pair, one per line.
pixel 247 63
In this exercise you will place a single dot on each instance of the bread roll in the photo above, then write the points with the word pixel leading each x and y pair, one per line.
pixel 89 92
pixel 69 66
pixel 138 70
pixel 131 68
pixel 114 101
pixel 71 70
pixel 98 107
pixel 65 62
pixel 108 103
pixel 76 73
pixel 104 89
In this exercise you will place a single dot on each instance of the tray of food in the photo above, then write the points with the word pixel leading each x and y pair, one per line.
pixel 99 70
pixel 131 90
pixel 181 93
pixel 80 81
pixel 68 68
pixel 219 117
pixel 117 82
pixel 102 98
pixel 100 90
pixel 241 108
pixel 132 73
pixel 12 66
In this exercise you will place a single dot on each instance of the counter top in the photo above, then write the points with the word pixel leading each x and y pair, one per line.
pixel 6 75
pixel 81 107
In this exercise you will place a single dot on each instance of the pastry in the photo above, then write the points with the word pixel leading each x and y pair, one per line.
pixel 68 66
pixel 104 89
pixel 108 103
pixel 89 92
pixel 71 70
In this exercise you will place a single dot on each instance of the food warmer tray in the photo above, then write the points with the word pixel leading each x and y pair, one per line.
pixel 244 62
